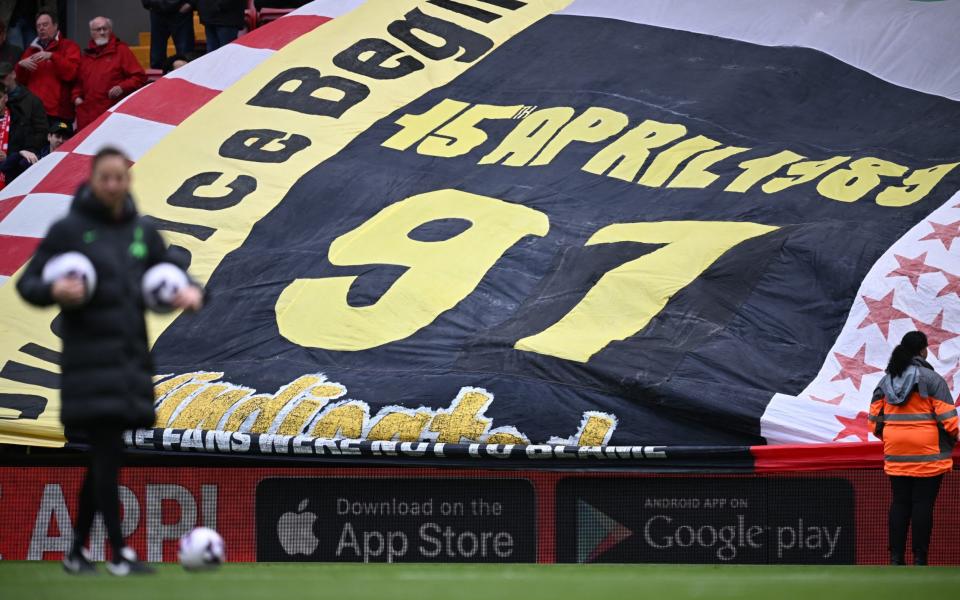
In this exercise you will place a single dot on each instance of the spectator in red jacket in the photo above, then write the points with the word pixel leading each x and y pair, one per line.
pixel 108 71
pixel 49 67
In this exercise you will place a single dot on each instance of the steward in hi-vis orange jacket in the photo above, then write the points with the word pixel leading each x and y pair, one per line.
pixel 915 417
pixel 913 414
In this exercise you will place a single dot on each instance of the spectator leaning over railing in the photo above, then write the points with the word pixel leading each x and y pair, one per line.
pixel 108 72
pixel 27 126
pixel 9 53
pixel 222 21
pixel 49 67
pixel 169 18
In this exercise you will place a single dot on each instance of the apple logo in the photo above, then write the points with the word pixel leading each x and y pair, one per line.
pixel 295 531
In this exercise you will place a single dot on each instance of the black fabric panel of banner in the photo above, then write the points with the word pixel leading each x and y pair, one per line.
pixel 759 321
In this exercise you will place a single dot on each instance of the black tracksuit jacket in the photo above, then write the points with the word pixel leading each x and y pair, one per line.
pixel 106 368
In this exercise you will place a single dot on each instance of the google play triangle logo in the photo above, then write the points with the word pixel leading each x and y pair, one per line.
pixel 596 532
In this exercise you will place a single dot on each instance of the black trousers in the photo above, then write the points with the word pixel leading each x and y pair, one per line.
pixel 913 500
pixel 179 26
pixel 99 491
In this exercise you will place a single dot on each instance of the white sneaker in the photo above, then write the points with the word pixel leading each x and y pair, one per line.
pixel 79 563
pixel 128 564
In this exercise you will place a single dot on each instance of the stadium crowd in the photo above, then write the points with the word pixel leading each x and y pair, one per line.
pixel 53 87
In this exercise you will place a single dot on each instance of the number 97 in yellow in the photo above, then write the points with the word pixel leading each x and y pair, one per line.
pixel 314 312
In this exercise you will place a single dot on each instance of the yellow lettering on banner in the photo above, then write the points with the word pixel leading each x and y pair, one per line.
pixel 399 426
pixel 541 135
pixel 626 298
pixel 270 410
pixel 915 186
pixel 759 168
pixel 268 406
pixel 315 312
pixel 170 401
pixel 667 161
pixel 849 185
pixel 462 135
pixel 625 156
pixel 417 127
pixel 596 431
pixel 328 391
pixel 209 406
pixel 244 410
pixel 529 136
pixel 802 172
pixel 696 175
pixel 345 420
pixel 502 437
pixel 297 419
pixel 168 385
pixel 383 80
pixel 593 125
pixel 464 419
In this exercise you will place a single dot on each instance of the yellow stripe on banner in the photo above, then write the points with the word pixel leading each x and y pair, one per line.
pixel 211 159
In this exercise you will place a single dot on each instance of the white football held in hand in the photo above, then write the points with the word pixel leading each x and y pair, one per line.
pixel 71 264
pixel 161 284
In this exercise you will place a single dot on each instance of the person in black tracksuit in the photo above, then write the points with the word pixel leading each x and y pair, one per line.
pixel 106 369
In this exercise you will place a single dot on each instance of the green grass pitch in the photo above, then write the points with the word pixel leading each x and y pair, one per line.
pixel 42 581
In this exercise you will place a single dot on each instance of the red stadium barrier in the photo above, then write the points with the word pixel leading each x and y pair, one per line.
pixel 403 514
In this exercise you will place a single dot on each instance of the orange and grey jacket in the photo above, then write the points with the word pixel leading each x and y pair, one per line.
pixel 915 417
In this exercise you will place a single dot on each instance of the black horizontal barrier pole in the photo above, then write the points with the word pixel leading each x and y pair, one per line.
pixel 213 444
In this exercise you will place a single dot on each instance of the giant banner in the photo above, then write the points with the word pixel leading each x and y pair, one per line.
pixel 537 222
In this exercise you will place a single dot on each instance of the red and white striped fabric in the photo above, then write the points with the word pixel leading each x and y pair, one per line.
pixel 32 202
